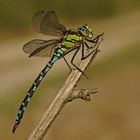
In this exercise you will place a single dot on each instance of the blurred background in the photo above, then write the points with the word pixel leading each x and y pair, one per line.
pixel 113 113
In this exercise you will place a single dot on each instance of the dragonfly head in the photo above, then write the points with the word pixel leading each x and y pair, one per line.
pixel 86 31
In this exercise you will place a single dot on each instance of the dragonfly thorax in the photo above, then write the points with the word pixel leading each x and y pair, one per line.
pixel 71 39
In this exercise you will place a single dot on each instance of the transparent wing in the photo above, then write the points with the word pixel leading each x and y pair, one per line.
pixel 41 48
pixel 48 23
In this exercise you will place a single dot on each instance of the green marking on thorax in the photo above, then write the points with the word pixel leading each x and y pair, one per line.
pixel 71 40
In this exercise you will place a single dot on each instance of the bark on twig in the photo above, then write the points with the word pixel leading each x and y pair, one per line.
pixel 65 94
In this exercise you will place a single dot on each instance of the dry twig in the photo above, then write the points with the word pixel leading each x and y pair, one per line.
pixel 65 94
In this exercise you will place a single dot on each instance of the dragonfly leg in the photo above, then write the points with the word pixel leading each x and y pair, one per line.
pixel 63 56
pixel 84 43
pixel 83 53
pixel 72 62
pixel 67 64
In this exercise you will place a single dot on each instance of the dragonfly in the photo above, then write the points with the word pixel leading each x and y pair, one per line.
pixel 66 41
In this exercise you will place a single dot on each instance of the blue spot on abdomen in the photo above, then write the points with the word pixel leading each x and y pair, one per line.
pixel 34 88
pixel 60 51
pixel 40 78
pixel 54 58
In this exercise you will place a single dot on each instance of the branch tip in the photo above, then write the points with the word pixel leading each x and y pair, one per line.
pixel 81 93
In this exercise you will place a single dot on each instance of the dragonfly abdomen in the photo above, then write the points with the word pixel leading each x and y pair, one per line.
pixel 30 94
pixel 57 54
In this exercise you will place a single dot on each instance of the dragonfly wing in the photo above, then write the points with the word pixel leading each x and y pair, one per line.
pixel 48 23
pixel 41 48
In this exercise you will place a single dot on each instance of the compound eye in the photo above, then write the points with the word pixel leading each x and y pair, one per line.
pixel 83 28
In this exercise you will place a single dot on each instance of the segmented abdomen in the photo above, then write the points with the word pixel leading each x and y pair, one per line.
pixel 30 94
pixel 57 54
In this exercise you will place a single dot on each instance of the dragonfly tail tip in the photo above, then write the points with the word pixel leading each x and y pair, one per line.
pixel 14 128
